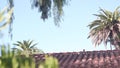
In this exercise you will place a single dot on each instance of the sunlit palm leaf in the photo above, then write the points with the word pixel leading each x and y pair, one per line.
pixel 5 16
pixel 2 12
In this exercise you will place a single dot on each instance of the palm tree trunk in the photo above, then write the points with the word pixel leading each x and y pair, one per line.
pixel 110 46
pixel 117 47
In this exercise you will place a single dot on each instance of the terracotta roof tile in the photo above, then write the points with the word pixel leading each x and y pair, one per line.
pixel 85 59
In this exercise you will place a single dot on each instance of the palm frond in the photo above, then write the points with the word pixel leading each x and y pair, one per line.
pixel 33 45
pixel 6 17
pixel 20 44
pixel 30 42
pixel 2 12
pixel 27 46
pixel 106 12
pixel 94 23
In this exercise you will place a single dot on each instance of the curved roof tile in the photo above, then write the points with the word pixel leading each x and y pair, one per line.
pixel 85 59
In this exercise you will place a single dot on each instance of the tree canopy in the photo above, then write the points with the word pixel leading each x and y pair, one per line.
pixel 26 48
pixel 47 8
pixel 106 28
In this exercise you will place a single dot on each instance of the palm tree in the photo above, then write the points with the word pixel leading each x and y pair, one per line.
pixel 106 28
pixel 26 48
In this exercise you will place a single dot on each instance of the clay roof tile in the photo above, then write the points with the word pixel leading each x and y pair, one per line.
pixel 85 59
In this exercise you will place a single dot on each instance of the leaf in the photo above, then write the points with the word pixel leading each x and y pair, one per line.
pixel 8 20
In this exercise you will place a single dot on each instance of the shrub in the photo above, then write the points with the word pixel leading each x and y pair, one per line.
pixel 8 59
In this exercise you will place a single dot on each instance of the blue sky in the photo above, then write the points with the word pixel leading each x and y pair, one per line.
pixel 70 36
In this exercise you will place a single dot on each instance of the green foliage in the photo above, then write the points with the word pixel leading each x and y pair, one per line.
pixel 50 62
pixel 48 6
pixel 27 48
pixel 9 60
pixel 106 28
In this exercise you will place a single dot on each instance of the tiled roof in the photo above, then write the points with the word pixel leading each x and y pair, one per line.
pixel 85 59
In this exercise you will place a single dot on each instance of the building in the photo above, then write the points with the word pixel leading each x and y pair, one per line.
pixel 85 59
